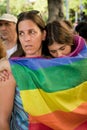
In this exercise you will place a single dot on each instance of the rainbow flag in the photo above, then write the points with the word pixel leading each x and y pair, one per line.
pixel 53 91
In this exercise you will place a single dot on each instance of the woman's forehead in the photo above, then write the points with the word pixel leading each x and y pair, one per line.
pixel 26 25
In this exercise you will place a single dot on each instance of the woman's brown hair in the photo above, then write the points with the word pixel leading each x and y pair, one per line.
pixel 57 32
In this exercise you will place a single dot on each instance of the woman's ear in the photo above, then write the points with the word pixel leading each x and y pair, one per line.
pixel 44 35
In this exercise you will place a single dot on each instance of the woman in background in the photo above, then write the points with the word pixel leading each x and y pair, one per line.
pixel 61 42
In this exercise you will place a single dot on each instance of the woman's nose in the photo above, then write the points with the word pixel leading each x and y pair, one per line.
pixel 59 54
pixel 27 37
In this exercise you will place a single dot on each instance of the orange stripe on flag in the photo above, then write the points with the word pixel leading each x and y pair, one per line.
pixel 60 120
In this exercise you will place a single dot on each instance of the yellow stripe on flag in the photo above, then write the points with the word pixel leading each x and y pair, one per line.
pixel 37 102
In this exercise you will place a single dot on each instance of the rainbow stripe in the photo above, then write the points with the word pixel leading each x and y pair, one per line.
pixel 53 91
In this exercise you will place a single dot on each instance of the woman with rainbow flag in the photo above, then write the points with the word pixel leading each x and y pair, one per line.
pixel 31 33
pixel 50 93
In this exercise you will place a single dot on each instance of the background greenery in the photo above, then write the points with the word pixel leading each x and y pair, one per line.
pixel 16 6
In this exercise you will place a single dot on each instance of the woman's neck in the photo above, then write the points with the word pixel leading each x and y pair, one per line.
pixel 39 54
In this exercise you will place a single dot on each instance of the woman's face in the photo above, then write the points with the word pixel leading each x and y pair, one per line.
pixel 30 37
pixel 59 50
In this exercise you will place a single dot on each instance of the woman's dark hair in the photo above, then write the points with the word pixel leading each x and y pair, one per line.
pixel 56 32
pixel 33 15
pixel 68 24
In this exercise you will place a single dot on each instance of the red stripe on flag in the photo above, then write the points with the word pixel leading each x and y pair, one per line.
pixel 38 126
pixel 83 126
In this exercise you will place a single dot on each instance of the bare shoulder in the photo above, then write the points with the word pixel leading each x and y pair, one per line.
pixel 7 93
pixel 9 82
pixel 4 64
pixel 7 86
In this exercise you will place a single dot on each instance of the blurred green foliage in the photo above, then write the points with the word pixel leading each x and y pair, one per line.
pixel 16 6
pixel 76 6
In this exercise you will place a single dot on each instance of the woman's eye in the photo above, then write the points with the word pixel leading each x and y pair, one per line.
pixel 63 48
pixel 21 33
pixel 53 51
pixel 32 32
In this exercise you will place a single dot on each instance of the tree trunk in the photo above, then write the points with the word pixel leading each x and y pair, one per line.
pixel 55 10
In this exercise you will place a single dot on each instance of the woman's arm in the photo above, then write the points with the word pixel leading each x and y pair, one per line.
pixel 7 92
